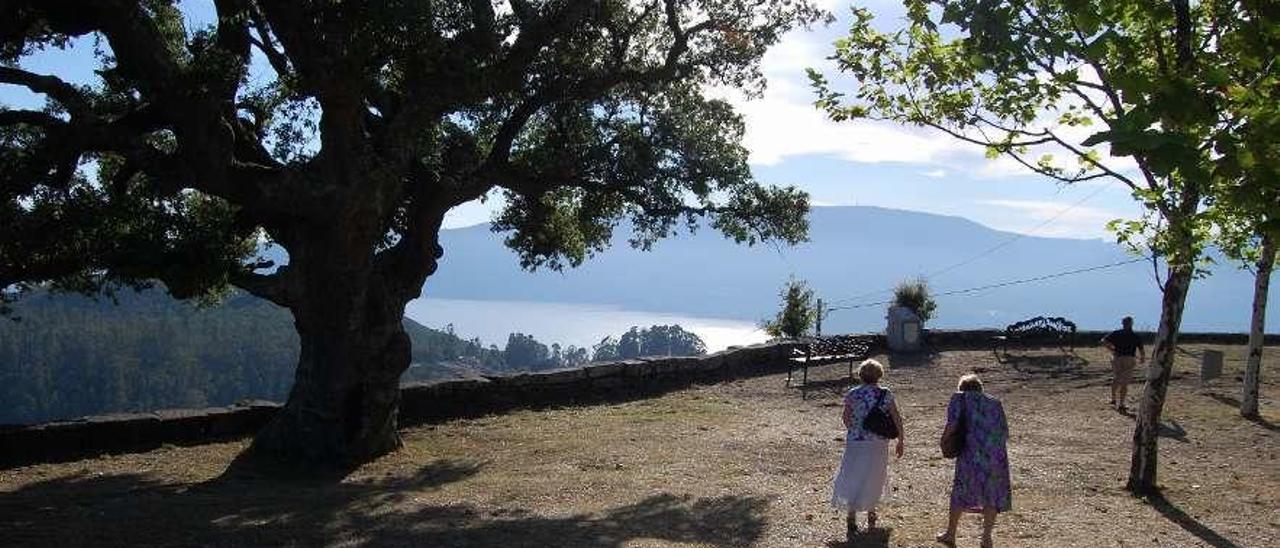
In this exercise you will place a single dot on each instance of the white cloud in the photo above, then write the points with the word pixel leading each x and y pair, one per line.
pixel 778 129
pixel 784 123
pixel 935 173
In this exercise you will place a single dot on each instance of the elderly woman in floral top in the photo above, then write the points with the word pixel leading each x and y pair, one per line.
pixel 981 482
pixel 864 477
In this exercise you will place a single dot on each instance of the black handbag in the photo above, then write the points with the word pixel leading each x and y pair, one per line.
pixel 878 420
pixel 953 444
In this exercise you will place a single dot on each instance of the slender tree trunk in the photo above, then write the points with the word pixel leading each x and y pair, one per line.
pixel 1181 225
pixel 1257 327
pixel 1142 470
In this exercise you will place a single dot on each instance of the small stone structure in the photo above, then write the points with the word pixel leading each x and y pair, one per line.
pixel 1210 365
pixel 905 332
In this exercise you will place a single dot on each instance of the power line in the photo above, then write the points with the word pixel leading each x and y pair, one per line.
pixel 1004 284
pixel 1003 243
pixel 1020 235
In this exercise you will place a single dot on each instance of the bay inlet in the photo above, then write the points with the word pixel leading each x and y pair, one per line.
pixel 576 324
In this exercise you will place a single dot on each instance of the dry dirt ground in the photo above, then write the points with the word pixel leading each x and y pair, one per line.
pixel 746 463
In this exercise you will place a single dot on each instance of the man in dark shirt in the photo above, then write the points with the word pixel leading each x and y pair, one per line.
pixel 1123 344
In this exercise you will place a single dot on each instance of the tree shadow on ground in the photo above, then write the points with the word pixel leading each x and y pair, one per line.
pixel 1005 355
pixel 247 468
pixel 1171 512
pixel 1235 403
pixel 1049 365
pixel 874 538
pixel 133 509
pixel 1171 429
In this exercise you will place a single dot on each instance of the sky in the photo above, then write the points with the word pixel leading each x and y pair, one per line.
pixel 889 165
pixel 885 164
pixel 846 163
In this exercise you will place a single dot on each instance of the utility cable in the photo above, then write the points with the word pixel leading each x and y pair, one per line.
pixel 1003 284
pixel 1003 243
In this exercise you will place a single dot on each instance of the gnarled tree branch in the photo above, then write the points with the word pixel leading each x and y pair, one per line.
pixel 75 102
pixel 272 287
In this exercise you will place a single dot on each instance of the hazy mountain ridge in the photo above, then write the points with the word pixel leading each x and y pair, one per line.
pixel 853 255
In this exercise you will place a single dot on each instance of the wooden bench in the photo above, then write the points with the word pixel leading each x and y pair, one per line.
pixel 816 351
pixel 1039 331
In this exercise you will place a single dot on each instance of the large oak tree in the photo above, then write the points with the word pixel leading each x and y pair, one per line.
pixel 378 118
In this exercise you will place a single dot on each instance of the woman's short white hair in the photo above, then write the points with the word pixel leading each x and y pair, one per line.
pixel 870 371
pixel 969 383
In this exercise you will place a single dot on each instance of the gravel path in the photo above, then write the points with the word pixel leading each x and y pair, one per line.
pixel 746 463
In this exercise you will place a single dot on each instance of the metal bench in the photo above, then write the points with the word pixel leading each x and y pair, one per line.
pixel 814 351
pixel 1040 331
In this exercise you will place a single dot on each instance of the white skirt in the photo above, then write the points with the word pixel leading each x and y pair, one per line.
pixel 863 477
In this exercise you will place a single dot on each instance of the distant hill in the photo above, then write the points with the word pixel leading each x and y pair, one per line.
pixel 853 255
pixel 71 356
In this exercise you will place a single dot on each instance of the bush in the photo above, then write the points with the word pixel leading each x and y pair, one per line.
pixel 798 311
pixel 658 340
pixel 916 296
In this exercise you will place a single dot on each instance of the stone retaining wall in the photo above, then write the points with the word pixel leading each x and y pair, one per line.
pixel 441 400
pixel 420 403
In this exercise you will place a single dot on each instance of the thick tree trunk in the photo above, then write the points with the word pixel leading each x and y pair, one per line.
pixel 1142 470
pixel 342 409
pixel 1257 326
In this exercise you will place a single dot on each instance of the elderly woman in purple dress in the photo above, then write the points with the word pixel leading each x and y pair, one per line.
pixel 981 481
pixel 864 475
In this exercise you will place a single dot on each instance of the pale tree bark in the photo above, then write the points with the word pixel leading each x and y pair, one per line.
pixel 1180 217
pixel 1143 466
pixel 1257 326
pixel 1142 471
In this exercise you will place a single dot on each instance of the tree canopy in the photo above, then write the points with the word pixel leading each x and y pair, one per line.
pixel 371 121
pixel 578 112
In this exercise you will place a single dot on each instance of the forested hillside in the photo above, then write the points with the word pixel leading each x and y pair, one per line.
pixel 66 356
